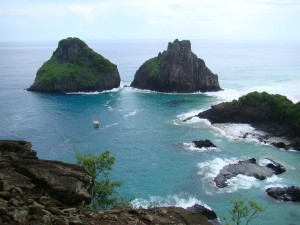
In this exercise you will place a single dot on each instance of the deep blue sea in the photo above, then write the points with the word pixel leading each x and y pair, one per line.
pixel 145 131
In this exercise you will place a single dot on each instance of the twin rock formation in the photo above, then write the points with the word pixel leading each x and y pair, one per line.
pixel 74 67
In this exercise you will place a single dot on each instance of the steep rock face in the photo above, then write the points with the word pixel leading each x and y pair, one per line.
pixel 75 67
pixel 19 167
pixel 176 70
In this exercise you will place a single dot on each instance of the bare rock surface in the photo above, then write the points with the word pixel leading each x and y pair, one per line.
pixel 35 191
pixel 249 168
pixel 291 193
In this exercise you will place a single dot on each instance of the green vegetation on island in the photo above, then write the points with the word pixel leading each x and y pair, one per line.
pixel 76 67
pixel 282 109
pixel 153 66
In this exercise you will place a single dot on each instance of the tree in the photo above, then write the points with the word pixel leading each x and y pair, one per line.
pixel 243 210
pixel 104 195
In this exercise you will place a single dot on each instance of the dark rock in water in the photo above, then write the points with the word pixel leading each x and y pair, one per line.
pixel 75 67
pixel 291 193
pixel 176 70
pixel 279 144
pixel 249 168
pixel 200 209
pixel 276 167
pixel 204 144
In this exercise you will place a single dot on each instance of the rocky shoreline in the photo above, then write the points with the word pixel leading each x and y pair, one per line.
pixel 35 191
pixel 259 110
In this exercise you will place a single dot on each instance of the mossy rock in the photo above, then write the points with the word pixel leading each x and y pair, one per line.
pixel 75 67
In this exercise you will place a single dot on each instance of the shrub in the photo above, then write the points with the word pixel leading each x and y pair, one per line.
pixel 243 211
pixel 104 195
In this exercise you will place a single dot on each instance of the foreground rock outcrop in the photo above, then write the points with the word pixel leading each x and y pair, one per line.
pixel 274 114
pixel 176 70
pixel 291 193
pixel 249 168
pixel 35 191
pixel 75 67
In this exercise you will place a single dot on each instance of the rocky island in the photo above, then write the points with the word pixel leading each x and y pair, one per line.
pixel 274 114
pixel 177 69
pixel 249 168
pixel 36 191
pixel 74 67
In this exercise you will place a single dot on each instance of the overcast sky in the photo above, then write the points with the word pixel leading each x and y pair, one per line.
pixel 25 20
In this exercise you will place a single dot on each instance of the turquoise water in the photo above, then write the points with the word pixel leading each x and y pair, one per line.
pixel 145 130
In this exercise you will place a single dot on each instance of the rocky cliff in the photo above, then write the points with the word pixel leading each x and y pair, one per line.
pixel 35 191
pixel 176 70
pixel 75 67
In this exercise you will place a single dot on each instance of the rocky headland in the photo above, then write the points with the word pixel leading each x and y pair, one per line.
pixel 35 191
pixel 74 67
pixel 249 168
pixel 177 69
pixel 274 114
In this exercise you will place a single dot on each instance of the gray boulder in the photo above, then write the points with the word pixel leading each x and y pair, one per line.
pixel 291 193
pixel 249 168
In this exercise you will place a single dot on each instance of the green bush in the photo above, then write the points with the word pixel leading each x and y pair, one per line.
pixel 281 108
pixel 104 195
pixel 243 212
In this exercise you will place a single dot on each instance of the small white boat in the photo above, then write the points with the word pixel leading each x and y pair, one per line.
pixel 96 123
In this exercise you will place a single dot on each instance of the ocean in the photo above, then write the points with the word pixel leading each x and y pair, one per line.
pixel 144 130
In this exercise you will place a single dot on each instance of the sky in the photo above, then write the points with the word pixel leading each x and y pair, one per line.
pixel 43 20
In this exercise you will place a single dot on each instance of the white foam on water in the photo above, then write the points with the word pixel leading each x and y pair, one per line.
pixel 174 200
pixel 274 179
pixel 130 114
pixel 226 95
pixel 210 169
pixel 236 131
pixel 274 185
pixel 192 147
pixel 94 92
pixel 191 118
pixel 240 182
pixel 264 161
pixel 110 125
pixel 132 89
